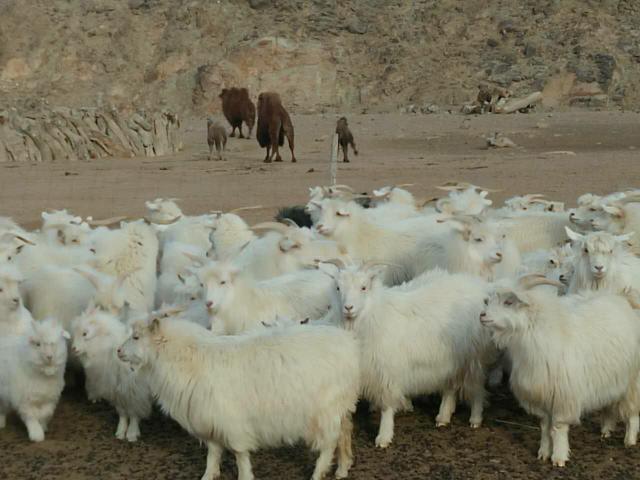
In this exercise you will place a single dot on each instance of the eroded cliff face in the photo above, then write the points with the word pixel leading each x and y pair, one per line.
pixel 319 54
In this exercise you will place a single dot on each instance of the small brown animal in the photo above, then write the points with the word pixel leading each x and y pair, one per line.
pixel 237 108
pixel 274 124
pixel 216 135
pixel 345 138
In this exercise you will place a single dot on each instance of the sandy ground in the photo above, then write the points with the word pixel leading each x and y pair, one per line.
pixel 562 155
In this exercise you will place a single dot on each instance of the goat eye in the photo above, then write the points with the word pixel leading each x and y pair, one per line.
pixel 136 337
pixel 338 289
pixel 139 243
pixel 508 303
pixel 586 250
pixel 552 262
pixel 38 344
pixel 524 208
pixel 477 240
pixel 486 301
pixel 84 334
pixel 202 285
pixel 364 289
pixel 223 282
pixel 9 258
pixel 592 209
pixel 193 299
pixel 1 290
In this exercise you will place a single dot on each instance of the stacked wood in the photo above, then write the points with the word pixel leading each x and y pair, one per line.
pixel 66 134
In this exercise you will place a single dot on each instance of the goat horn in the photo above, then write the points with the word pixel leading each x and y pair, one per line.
pixel 276 226
pixel 107 221
pixel 454 186
pixel 334 261
pixel 533 280
pixel 289 222
pixel 533 196
pixel 425 202
pixel 88 275
pixel 163 222
pixel 194 258
pixel 342 187
pixel 240 209
pixel 21 238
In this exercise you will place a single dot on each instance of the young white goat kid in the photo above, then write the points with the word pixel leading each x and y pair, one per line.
pixel 418 338
pixel 570 356
pixel 96 337
pixel 32 375
pixel 251 391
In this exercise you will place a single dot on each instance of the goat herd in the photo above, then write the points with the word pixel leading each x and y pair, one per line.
pixel 252 337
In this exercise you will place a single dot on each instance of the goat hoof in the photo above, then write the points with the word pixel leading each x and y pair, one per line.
pixel 382 442
pixel 442 424
pixel 559 463
pixel 475 425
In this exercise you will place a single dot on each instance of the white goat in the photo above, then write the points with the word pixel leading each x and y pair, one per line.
pixel 177 259
pixel 96 336
pixel 251 391
pixel 418 338
pixel 603 262
pixel 130 253
pixel 532 202
pixel 32 375
pixel 283 249
pixel 237 303
pixel 471 245
pixel 364 240
pixel 570 356
pixel 64 293
pixel 230 235
pixel 15 319
pixel 621 217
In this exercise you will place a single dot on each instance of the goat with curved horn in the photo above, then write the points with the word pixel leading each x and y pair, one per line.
pixel 163 222
pixel 334 261
pixel 107 221
pixel 533 280
pixel 240 209
pixel 13 235
pixel 455 186
pixel 289 222
pixel 270 226
pixel 342 187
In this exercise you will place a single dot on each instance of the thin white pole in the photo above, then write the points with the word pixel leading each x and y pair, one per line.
pixel 334 159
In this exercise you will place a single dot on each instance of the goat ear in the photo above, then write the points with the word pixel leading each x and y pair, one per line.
pixel 573 236
pixel 181 278
pixel 66 335
pixel 154 326
pixel 625 238
pixel 613 211
pixel 516 299
pixel 343 213
pixel 463 229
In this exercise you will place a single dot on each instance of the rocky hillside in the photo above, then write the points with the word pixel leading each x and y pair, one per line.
pixel 321 55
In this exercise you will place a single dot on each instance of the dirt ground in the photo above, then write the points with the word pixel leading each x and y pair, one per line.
pixel 561 155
